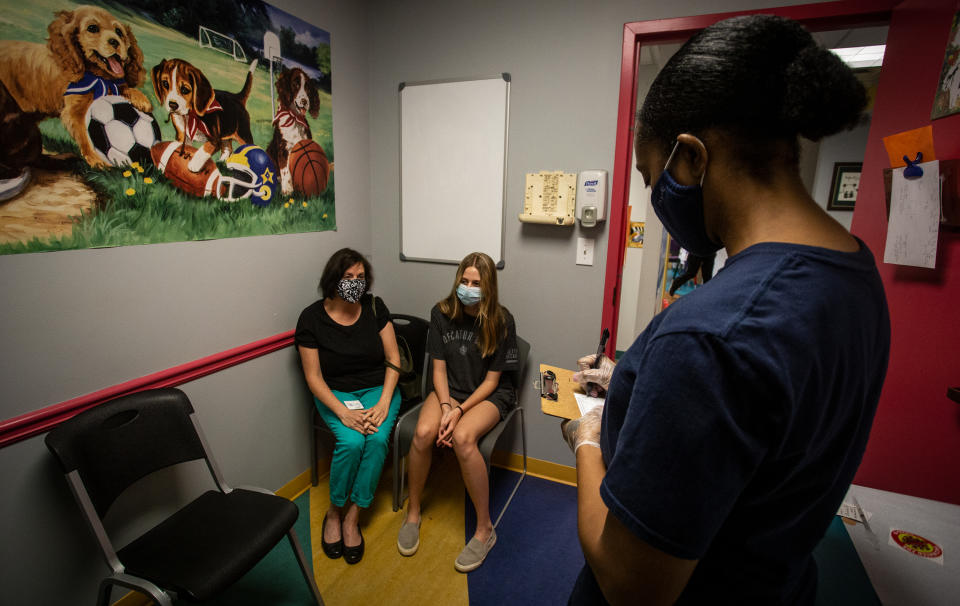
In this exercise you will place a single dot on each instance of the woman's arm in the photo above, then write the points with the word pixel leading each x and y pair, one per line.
pixel 449 421
pixel 624 565
pixel 374 416
pixel 310 361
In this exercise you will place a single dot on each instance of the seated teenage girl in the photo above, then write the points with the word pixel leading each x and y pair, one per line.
pixel 473 344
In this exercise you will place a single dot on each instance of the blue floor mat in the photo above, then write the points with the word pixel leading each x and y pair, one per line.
pixel 537 556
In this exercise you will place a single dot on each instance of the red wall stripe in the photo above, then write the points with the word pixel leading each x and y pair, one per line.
pixel 42 420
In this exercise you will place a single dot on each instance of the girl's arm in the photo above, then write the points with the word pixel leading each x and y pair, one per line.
pixel 310 361
pixel 449 420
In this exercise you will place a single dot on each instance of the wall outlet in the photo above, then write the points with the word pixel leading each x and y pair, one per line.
pixel 585 251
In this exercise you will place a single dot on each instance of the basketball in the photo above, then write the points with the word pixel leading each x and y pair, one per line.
pixel 309 168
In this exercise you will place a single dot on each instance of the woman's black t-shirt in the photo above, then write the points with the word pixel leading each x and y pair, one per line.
pixel 351 357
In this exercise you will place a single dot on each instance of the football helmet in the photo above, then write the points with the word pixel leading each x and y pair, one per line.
pixel 251 174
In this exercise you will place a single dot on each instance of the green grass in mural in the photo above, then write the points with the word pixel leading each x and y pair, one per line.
pixel 158 212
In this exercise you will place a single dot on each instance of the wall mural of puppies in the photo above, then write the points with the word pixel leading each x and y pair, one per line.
pixel 93 93
pixel 89 53
pixel 297 96
pixel 200 113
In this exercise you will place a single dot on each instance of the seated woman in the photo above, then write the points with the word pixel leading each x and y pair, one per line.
pixel 472 342
pixel 349 354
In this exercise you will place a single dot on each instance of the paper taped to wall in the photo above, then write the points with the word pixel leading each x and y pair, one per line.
pixel 914 218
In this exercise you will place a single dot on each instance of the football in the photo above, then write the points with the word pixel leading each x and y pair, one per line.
pixel 171 159
pixel 121 134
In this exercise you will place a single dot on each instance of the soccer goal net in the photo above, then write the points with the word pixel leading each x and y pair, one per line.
pixel 221 43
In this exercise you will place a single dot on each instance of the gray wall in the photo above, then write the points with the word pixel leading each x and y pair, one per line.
pixel 78 321
pixel 564 59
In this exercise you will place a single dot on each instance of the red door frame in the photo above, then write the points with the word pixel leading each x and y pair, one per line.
pixel 823 16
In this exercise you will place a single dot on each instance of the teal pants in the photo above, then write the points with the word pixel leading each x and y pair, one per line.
pixel 358 458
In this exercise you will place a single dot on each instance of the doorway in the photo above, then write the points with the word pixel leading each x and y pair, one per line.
pixel 635 277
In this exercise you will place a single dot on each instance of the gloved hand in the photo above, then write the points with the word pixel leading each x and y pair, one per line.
pixel 594 381
pixel 583 431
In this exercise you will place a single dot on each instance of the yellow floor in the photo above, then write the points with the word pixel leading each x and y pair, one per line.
pixel 384 576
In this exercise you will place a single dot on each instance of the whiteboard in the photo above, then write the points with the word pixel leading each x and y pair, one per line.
pixel 453 157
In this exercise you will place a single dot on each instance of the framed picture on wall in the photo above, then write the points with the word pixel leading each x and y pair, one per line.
pixel 844 185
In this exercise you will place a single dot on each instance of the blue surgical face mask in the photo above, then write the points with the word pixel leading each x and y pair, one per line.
pixel 680 209
pixel 469 295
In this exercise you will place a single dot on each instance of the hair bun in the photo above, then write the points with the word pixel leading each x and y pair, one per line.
pixel 822 96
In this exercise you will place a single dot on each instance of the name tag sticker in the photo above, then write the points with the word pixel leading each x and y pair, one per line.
pixel 354 404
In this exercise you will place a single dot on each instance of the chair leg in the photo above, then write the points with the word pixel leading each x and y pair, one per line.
pixel 305 567
pixel 157 595
pixel 523 441
pixel 314 474
pixel 396 475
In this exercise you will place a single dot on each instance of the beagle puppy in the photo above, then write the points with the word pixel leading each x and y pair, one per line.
pixel 200 113
pixel 89 53
pixel 297 96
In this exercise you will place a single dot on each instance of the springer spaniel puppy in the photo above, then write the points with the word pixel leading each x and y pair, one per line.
pixel 200 113
pixel 89 53
pixel 297 96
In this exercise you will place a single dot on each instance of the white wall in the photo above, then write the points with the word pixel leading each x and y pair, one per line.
pixel 75 322
pixel 848 146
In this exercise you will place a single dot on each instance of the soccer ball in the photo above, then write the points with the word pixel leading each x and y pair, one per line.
pixel 121 134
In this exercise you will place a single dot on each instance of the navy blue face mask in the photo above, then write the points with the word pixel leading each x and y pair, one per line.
pixel 680 209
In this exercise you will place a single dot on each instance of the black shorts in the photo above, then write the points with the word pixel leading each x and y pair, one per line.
pixel 504 398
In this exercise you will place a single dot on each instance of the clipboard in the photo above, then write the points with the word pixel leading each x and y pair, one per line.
pixel 565 405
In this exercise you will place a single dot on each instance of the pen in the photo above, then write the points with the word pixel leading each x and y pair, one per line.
pixel 603 343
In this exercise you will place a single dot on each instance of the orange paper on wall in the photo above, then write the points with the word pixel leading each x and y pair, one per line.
pixel 908 143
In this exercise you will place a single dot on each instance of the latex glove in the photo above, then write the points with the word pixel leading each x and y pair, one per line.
pixel 594 381
pixel 583 431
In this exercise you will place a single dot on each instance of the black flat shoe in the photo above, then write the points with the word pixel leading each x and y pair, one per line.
pixel 352 555
pixel 332 550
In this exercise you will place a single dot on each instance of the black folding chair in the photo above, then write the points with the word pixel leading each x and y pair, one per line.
pixel 202 548
pixel 411 329
pixel 407 425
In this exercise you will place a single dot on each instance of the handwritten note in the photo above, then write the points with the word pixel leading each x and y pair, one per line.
pixel 914 218
pixel 586 403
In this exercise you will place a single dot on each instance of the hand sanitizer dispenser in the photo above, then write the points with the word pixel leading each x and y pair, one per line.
pixel 591 197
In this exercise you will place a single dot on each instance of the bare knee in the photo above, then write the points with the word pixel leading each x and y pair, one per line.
pixel 464 442
pixel 425 435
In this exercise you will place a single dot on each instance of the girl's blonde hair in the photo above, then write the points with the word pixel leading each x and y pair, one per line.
pixel 490 320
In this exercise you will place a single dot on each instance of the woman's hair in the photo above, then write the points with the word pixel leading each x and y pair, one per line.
pixel 490 319
pixel 761 79
pixel 337 265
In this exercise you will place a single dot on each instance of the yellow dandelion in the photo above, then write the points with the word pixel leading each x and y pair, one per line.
pixel 147 180
pixel 131 191
pixel 290 201
pixel 304 204
pixel 134 165
pixel 127 173
pixel 139 169
pixel 286 205
pixel 324 215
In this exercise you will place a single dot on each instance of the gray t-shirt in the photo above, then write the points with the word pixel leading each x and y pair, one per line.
pixel 455 342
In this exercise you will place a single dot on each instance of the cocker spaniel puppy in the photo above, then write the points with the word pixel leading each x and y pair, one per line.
pixel 297 96
pixel 89 53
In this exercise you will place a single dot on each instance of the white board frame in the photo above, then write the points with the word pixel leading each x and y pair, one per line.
pixel 453 168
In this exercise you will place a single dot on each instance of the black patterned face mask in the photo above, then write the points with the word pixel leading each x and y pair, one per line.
pixel 351 290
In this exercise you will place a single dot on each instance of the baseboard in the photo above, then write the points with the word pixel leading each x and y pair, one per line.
pixel 290 491
pixel 539 468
